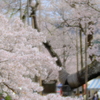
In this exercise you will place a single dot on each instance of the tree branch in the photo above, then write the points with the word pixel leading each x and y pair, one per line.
pixel 52 53
pixel 9 87
pixel 78 79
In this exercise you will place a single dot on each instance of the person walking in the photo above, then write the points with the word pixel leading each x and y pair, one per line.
pixel 81 96
pixel 95 96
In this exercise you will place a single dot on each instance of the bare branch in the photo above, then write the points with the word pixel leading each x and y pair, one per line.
pixel 9 87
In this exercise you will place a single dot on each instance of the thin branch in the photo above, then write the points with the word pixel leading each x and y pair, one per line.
pixel 93 7
pixel 9 87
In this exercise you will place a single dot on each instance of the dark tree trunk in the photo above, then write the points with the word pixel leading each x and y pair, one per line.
pixel 78 79
pixel 52 53
pixel 46 44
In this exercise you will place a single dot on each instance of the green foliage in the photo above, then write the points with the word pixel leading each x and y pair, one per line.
pixel 1 94
pixel 8 97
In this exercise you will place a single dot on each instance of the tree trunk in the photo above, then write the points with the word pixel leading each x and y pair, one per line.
pixel 78 79
pixel 33 16
pixel 53 53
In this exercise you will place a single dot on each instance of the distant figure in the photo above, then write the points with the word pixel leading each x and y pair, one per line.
pixel 89 96
pixel 2 98
pixel 61 91
pixel 95 96
pixel 81 96
pixel 84 96
pixel 74 94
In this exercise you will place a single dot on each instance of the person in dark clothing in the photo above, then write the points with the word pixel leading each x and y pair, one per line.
pixel 95 96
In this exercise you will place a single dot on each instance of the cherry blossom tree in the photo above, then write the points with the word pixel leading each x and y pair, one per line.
pixel 21 59
pixel 57 19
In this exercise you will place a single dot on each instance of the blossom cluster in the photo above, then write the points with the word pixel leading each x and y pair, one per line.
pixel 21 59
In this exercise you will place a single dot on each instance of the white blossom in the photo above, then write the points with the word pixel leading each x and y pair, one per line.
pixel 21 59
